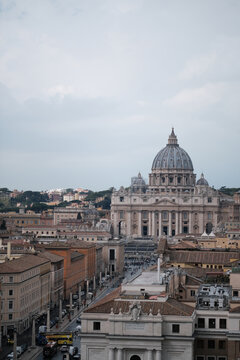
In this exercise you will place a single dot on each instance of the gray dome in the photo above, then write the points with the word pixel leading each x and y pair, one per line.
pixel 172 156
pixel 202 181
pixel 138 181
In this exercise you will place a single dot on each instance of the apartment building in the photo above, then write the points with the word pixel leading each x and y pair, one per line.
pixel 57 271
pixel 217 324
pixel 74 273
pixel 25 291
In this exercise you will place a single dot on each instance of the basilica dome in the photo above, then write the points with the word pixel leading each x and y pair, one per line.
pixel 172 157
pixel 202 181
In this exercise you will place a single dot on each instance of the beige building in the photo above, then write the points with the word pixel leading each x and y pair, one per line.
pixel 25 291
pixel 172 203
pixel 138 321
pixel 57 271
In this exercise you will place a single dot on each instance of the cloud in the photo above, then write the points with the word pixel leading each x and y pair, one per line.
pixel 60 90
pixel 196 98
pixel 198 66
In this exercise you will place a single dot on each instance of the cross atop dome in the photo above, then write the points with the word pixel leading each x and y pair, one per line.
pixel 172 140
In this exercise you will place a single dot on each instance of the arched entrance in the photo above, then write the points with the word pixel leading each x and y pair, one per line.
pixel 209 227
pixel 135 357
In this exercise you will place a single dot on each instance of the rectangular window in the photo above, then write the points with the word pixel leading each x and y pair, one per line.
pixel 222 344
pixel 223 323
pixel 201 323
pixel 10 278
pixel 192 292
pixel 200 357
pixel 209 200
pixel 211 357
pixel 10 292
pixel 212 323
pixel 211 344
pixel 96 325
pixel 10 316
pixel 175 328
pixel 121 214
pixel 121 198
pixel 235 293
pixel 145 215
pixel 112 254
pixel 10 305
pixel 165 215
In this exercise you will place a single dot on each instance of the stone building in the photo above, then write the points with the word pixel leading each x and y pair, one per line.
pixel 25 284
pixel 172 203
pixel 139 321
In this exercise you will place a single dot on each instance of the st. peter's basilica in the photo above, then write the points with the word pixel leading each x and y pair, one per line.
pixel 172 203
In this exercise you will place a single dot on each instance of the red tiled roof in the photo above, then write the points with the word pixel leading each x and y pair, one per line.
pixel 114 301
pixel 204 257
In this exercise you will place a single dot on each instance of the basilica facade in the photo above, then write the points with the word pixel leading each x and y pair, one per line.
pixel 172 203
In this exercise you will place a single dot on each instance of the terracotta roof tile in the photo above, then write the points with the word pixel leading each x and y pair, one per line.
pixel 205 257
pixel 114 301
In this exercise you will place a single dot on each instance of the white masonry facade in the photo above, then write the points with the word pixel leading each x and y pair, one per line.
pixel 172 203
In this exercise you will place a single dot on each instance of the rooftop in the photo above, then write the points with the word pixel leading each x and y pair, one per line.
pixel 22 264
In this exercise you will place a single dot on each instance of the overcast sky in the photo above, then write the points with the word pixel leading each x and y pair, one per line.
pixel 89 90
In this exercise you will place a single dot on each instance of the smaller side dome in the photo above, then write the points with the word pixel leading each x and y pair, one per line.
pixel 202 181
pixel 137 183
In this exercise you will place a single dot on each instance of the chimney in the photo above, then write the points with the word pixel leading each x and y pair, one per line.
pixel 9 250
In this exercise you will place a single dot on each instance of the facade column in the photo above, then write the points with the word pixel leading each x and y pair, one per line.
pixel 176 222
pixel 169 223
pixel 153 224
pixel 149 355
pixel 158 355
pixel 149 224
pixel 115 224
pixel 110 354
pixel 190 230
pixel 119 354
pixel 180 223
pixel 129 223
pixel 139 223
pixel 160 223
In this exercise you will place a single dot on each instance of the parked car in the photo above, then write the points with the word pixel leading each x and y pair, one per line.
pixel 78 328
pixel 79 321
pixel 64 348
pixel 77 356
pixel 10 356
pixel 24 347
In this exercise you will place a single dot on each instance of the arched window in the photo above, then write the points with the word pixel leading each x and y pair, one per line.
pixel 135 357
